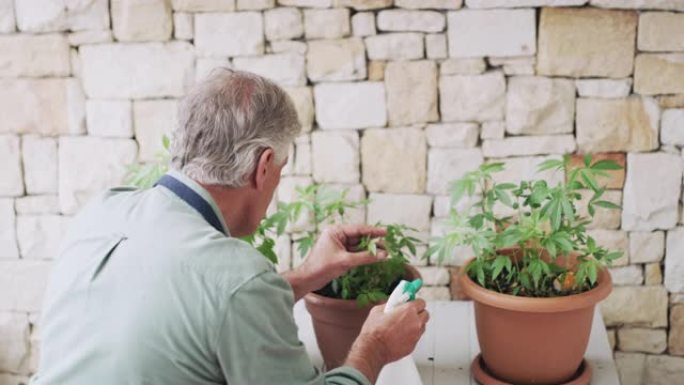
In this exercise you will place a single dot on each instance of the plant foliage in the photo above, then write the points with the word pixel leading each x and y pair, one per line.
pixel 540 221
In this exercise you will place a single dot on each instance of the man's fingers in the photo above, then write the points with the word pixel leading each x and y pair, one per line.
pixel 353 231
pixel 419 305
pixel 364 258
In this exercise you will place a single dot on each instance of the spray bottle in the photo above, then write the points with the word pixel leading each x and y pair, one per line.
pixel 402 371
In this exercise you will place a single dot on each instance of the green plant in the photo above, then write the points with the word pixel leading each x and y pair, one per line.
pixel 367 284
pixel 545 226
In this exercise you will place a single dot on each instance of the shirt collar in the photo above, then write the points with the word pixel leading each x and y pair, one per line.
pixel 196 187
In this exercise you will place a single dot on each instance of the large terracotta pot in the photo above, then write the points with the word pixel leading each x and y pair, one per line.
pixel 534 340
pixel 337 323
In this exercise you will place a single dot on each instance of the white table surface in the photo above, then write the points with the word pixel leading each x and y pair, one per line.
pixel 445 351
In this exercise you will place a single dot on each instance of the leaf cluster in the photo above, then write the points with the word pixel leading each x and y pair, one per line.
pixel 556 256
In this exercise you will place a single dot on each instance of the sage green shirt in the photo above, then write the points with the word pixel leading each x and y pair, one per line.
pixel 145 291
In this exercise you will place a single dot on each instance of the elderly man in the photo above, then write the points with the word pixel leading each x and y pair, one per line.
pixel 154 287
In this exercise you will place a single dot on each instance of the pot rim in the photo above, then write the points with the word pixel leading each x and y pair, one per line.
pixel 537 304
pixel 350 304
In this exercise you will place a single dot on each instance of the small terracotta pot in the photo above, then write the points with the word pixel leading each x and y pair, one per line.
pixel 528 340
pixel 337 323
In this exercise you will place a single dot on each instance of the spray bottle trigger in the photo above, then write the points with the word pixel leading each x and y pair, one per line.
pixel 411 288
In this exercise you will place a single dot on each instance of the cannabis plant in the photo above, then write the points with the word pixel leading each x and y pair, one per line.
pixel 367 284
pixel 556 256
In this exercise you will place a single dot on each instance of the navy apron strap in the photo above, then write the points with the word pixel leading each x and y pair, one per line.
pixel 192 198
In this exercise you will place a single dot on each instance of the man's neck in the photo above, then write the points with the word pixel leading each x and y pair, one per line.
pixel 234 206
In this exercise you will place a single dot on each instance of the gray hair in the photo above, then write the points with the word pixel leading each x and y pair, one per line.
pixel 226 122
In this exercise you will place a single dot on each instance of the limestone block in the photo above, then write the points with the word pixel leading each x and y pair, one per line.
pixel 22 285
pixel 286 69
pixel 672 127
pixel 435 276
pixel 7 22
pixel 42 106
pixel 302 156
pixel 615 178
pixel 109 118
pixel 142 70
pixel 79 38
pixel 522 3
pixel 671 101
pixel 393 160
pixel 630 367
pixel 645 208
pixel 141 20
pixel 659 74
pixel 529 145
pixel 478 33
pixel 40 236
pixel 302 98
pixel 206 66
pixel 88 165
pixel 152 119
pixel 538 106
pixel 287 46
pixel 326 23
pixel 461 254
pixel 40 164
pixel 452 66
pixel 376 70
pixel 603 88
pixel 363 24
pixel 350 105
pixel 617 124
pixel 8 236
pixel 636 305
pixel 353 193
pixel 411 92
pixel 335 156
pixel 12 182
pixel 447 164
pixel 586 42
pixel 604 218
pixel 661 31
pixel 668 5
pixel 183 26
pixel 663 370
pixel 676 339
pixel 674 260
pixel 14 340
pixel 642 340
pixel 73 15
pixel 429 4
pixel 307 3
pixel 283 249
pixel 254 5
pixel 436 46
pixel 332 60
pixel 460 135
pixel 395 46
pixel 627 275
pixel 34 55
pixel 653 274
pixel 434 293
pixel 363 5
pixel 37 204
pixel 204 5
pixel 401 209
pixel 472 97
pixel 399 20
pixel 283 24
pixel 229 34
pixel 493 130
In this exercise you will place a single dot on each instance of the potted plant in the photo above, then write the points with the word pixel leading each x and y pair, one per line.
pixel 339 309
pixel 536 274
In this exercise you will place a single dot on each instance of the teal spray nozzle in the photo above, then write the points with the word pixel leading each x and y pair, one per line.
pixel 411 288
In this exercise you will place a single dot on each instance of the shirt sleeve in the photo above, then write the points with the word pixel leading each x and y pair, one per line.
pixel 258 342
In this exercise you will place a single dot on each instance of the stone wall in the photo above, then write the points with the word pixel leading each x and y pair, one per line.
pixel 396 97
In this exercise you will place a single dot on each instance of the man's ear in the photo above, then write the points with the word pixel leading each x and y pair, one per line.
pixel 264 165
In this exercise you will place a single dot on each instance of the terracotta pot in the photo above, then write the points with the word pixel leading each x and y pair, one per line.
pixel 337 323
pixel 534 340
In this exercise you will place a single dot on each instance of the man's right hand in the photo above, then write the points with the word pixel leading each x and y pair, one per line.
pixel 385 338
